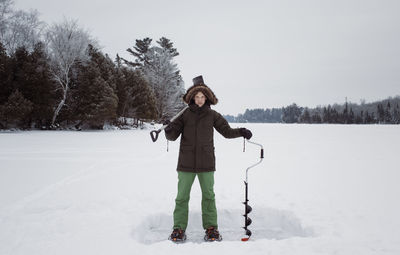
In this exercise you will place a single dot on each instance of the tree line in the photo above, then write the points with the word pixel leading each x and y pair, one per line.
pixel 385 111
pixel 56 77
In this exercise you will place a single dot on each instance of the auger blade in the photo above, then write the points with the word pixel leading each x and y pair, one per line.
pixel 248 221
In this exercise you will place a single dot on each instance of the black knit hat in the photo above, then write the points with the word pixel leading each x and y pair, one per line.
pixel 198 80
pixel 198 85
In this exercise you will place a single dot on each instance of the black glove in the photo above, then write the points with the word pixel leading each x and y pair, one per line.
pixel 167 128
pixel 245 133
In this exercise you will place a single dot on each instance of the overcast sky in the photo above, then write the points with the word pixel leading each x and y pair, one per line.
pixel 257 54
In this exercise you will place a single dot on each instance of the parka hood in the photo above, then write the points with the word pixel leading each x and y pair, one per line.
pixel 192 91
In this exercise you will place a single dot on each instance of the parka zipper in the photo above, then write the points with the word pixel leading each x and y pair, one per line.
pixel 195 143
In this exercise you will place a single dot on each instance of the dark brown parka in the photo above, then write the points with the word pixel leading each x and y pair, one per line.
pixel 196 124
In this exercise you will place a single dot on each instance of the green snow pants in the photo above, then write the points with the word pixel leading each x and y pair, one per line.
pixel 208 208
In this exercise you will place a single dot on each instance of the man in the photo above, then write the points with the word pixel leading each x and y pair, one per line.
pixel 196 156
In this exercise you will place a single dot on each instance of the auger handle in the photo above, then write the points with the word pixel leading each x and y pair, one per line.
pixel 154 134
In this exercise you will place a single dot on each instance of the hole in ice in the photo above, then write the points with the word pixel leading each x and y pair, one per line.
pixel 268 223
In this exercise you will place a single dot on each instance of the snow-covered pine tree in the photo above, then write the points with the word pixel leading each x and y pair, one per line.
pixel 157 66
pixel 139 52
pixel 163 76
pixel 166 44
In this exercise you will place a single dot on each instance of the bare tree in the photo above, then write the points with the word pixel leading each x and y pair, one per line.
pixel 67 44
pixel 19 28
pixel 5 11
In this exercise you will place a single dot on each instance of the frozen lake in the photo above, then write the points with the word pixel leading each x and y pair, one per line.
pixel 321 189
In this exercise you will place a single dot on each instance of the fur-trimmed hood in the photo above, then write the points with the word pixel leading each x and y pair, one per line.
pixel 192 91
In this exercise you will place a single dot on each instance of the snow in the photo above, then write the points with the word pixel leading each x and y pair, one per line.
pixel 321 189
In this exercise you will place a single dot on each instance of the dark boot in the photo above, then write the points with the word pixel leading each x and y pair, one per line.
pixel 212 234
pixel 177 235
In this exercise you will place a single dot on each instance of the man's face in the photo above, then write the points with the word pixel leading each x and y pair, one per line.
pixel 200 99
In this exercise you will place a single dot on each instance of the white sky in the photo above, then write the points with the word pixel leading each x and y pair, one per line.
pixel 257 54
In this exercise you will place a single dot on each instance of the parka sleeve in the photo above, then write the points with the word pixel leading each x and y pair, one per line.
pixel 175 128
pixel 222 126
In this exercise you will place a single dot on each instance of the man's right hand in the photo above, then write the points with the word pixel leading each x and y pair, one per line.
pixel 169 127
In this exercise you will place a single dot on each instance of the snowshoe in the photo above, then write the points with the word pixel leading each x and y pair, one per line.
pixel 178 236
pixel 212 235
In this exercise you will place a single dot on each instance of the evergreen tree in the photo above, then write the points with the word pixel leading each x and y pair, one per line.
pixel 291 114
pixel 135 97
pixel 350 117
pixel 167 45
pixel 5 75
pixel 97 101
pixel 344 117
pixel 138 99
pixel 387 114
pixel 346 113
pixel 276 115
pixel 161 73
pixel 15 110
pixel 305 116
pixel 230 118
pixel 121 86
pixel 32 77
pixel 396 114
pixel 368 118
pixel 335 116
pixel 327 116
pixel 139 52
pixel 316 118
pixel 359 118
pixel 381 113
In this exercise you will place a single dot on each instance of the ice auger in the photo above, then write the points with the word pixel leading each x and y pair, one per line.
pixel 247 207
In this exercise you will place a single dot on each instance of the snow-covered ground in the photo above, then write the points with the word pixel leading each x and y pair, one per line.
pixel 321 189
